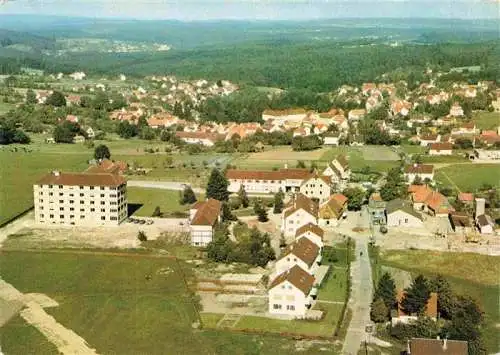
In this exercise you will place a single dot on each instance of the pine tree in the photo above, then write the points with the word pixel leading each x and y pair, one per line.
pixel 278 202
pixel 217 186
pixel 386 290
pixel 227 215
pixel 379 312
pixel 242 194
pixel 31 97
pixel 446 298
pixel 188 196
pixel 416 296
pixel 260 211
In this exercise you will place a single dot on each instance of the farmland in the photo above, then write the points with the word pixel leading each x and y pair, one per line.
pixel 487 120
pixel 469 274
pixel 469 177
pixel 108 301
pixel 378 158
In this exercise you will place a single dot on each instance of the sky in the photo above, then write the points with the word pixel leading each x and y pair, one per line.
pixel 256 9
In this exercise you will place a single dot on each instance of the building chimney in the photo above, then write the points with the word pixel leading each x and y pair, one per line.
pixel 56 173
pixel 445 344
pixel 480 206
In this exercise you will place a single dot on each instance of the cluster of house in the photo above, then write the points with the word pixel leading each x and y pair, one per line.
pixel 425 200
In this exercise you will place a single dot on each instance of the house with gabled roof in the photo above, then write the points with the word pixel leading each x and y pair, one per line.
pixel 423 171
pixel 427 200
pixel 400 213
pixel 203 216
pixel 300 211
pixel 338 171
pixel 441 149
pixel 332 210
pixel 312 232
pixel 290 293
pixel 317 187
pixel 424 346
pixel 302 252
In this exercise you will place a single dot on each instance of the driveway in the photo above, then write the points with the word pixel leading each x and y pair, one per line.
pixel 361 297
pixel 165 185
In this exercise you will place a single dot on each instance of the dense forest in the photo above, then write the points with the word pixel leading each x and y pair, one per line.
pixel 317 66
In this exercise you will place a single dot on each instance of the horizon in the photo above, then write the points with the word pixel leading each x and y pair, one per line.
pixel 256 10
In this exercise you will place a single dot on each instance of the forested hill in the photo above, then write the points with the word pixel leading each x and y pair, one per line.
pixel 318 66
pixel 28 41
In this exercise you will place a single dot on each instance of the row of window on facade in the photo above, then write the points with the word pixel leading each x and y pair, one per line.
pixel 290 307
pixel 83 187
pixel 82 202
pixel 103 218
pixel 81 195
pixel 83 209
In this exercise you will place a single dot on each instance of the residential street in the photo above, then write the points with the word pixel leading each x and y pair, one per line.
pixel 361 297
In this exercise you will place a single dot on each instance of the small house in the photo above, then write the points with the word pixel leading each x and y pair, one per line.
pixel 400 213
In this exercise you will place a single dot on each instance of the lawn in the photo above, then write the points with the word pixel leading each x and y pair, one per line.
pixel 277 157
pixel 487 120
pixel 469 177
pixel 108 301
pixel 20 170
pixel 379 159
pixel 335 286
pixel 468 273
pixel 412 149
pixel 19 338
pixel 148 199
pixel 324 327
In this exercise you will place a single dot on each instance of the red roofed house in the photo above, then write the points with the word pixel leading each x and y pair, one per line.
pixel 72 118
pixel 423 346
pixel 304 253
pixel 299 212
pixel 424 171
pixel 207 139
pixel 441 149
pixel 466 198
pixel 427 200
pixel 266 181
pixel 290 293
pixel 332 210
pixel 312 232
pixel 203 216
pixel 431 309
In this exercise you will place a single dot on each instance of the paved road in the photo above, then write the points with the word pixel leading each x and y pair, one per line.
pixel 165 185
pixel 361 297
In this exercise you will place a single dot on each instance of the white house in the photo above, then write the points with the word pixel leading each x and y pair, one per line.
pixel 485 224
pixel 312 232
pixel 428 139
pixel 203 216
pixel 441 149
pixel 206 139
pixel 456 110
pixel 266 181
pixel 317 187
pixel 300 212
pixel 331 139
pixel 304 253
pixel 290 293
pixel 338 171
pixel 424 171
pixel 401 214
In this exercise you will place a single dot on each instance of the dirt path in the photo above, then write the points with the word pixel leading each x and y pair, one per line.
pixel 66 341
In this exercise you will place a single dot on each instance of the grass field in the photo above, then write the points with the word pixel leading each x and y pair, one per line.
pixel 4 108
pixel 18 338
pixel 20 170
pixel 325 327
pixel 167 200
pixel 469 274
pixel 379 159
pixel 469 177
pixel 108 301
pixel 487 120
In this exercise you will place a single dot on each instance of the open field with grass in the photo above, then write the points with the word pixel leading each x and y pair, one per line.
pixel 487 120
pixel 147 200
pixel 469 177
pixel 20 170
pixel 469 274
pixel 108 301
pixel 412 149
pixel 378 158
pixel 277 157
pixel 324 327
pixel 18 337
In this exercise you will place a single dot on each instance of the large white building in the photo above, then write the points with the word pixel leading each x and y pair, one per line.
pixel 290 293
pixel 203 216
pixel 266 181
pixel 82 199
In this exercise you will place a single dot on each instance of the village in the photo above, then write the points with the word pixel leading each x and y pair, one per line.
pixel 315 228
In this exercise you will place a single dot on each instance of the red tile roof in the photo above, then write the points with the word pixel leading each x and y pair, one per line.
pixel 283 174
pixel 466 197
pixel 419 169
pixel 310 228
pixel 82 179
pixel 297 277
pixel 207 212
pixel 421 346
pixel 441 146
pixel 430 307
pixel 108 166
pixel 300 201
